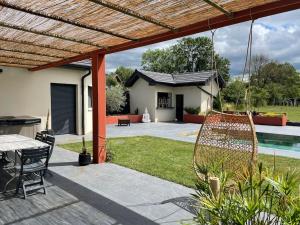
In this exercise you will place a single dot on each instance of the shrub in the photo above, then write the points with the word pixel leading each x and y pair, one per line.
pixel 258 198
pixel 191 110
pixel 272 114
pixel 115 99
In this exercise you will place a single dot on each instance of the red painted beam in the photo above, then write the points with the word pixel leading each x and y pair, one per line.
pixel 99 108
pixel 62 62
pixel 216 22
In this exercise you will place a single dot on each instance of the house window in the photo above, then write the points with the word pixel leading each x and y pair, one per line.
pixel 90 97
pixel 164 100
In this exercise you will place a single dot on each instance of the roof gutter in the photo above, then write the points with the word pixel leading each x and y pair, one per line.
pixel 82 101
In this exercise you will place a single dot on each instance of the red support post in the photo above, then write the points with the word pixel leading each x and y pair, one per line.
pixel 99 108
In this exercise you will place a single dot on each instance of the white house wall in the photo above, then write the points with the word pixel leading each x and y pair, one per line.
pixel 163 115
pixel 191 96
pixel 206 98
pixel 142 95
pixel 28 93
pixel 88 120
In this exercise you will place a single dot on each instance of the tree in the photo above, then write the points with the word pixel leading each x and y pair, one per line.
pixel 280 80
pixel 115 99
pixel 158 60
pixel 119 77
pixel 188 55
pixel 123 74
pixel 292 92
pixel 276 93
pixel 111 80
pixel 259 97
pixel 234 92
pixel 257 63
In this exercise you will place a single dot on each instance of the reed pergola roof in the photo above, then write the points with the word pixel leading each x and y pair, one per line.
pixel 38 34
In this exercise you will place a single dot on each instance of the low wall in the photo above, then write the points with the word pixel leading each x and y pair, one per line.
pixel 261 120
pixel 190 118
pixel 270 120
pixel 132 118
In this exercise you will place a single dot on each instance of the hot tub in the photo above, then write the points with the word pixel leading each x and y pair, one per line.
pixel 24 125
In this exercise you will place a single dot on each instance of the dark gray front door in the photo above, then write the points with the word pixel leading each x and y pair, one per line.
pixel 179 107
pixel 63 108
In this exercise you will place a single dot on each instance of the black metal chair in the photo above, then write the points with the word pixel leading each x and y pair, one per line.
pixel 50 140
pixel 32 169
pixel 39 136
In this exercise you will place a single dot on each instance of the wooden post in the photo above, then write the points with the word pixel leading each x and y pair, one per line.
pixel 99 108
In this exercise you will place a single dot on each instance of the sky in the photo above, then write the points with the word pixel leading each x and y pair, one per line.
pixel 277 37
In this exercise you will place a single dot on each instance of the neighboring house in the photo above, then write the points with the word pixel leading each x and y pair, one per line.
pixel 58 90
pixel 166 95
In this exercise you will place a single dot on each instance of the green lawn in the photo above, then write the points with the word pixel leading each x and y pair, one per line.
pixel 168 159
pixel 293 113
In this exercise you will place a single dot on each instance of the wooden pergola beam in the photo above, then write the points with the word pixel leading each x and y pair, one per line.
pixel 257 12
pixel 48 34
pixel 64 20
pixel 216 22
pixel 22 58
pixel 218 7
pixel 132 13
pixel 40 45
pixel 16 65
pixel 26 52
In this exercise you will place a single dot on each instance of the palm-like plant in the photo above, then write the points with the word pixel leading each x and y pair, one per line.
pixel 258 198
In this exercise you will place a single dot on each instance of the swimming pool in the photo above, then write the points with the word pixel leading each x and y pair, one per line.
pixel 279 141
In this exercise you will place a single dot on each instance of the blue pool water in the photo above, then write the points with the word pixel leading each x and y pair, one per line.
pixel 279 141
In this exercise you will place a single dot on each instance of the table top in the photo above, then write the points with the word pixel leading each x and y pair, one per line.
pixel 13 142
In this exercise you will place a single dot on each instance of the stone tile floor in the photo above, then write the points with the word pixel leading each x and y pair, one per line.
pixel 98 194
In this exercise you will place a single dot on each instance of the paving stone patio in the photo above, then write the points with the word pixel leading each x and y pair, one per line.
pixel 98 194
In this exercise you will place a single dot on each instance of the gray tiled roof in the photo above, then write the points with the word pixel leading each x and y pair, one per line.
pixel 202 76
pixel 197 78
pixel 159 77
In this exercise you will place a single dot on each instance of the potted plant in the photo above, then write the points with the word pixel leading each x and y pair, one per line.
pixel 84 157
pixel 47 130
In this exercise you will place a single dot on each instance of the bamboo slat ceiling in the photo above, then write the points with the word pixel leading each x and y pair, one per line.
pixel 39 32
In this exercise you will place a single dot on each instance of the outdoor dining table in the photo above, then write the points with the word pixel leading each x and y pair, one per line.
pixel 14 142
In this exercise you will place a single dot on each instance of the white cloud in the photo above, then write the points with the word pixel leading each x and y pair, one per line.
pixel 275 36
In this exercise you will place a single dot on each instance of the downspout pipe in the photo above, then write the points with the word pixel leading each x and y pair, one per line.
pixel 82 101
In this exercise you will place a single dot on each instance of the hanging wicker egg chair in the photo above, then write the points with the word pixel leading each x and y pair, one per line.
pixel 226 142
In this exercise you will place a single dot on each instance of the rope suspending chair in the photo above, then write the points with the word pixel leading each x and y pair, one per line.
pixel 226 142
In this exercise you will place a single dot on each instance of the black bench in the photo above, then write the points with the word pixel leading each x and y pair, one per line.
pixel 125 122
